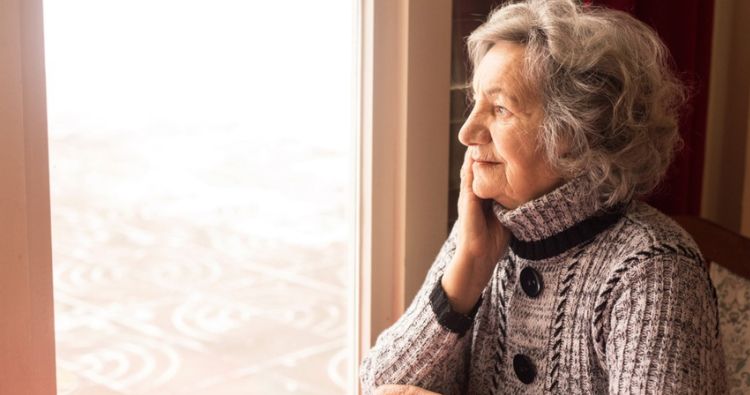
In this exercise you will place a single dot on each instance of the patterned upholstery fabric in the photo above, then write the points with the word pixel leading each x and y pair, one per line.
pixel 734 317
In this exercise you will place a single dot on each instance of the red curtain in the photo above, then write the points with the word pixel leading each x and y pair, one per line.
pixel 686 28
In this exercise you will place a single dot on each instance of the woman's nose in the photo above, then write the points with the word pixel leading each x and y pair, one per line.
pixel 474 132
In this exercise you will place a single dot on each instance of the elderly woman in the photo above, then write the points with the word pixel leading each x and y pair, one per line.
pixel 555 279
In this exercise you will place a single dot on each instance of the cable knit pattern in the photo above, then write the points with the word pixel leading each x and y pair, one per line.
pixel 624 308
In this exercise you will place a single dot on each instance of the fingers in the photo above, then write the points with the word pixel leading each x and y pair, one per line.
pixel 487 207
pixel 467 174
pixel 392 389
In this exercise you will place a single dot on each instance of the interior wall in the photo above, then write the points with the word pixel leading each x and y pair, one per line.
pixel 726 182
pixel 403 169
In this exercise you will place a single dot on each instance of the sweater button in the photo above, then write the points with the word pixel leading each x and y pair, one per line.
pixel 524 368
pixel 531 282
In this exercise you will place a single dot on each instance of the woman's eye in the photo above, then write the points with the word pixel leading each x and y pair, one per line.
pixel 500 110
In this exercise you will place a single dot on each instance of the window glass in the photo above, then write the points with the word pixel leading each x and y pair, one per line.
pixel 201 170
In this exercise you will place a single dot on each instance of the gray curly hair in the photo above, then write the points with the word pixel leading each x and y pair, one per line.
pixel 610 100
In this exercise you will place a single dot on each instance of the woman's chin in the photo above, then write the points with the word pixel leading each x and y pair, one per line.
pixel 484 195
pixel 492 193
pixel 482 192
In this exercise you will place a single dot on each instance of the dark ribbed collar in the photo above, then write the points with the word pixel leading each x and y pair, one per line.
pixel 556 222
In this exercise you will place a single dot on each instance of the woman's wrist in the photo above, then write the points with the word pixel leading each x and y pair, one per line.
pixel 463 282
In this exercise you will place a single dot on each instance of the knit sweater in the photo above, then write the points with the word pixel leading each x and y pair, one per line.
pixel 583 302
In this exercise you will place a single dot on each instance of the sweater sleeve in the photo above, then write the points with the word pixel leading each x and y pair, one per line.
pixel 427 346
pixel 662 334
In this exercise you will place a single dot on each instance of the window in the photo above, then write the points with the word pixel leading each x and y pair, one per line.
pixel 201 182
pixel 400 183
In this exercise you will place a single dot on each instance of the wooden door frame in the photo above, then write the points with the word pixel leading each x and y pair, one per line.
pixel 403 155
pixel 27 346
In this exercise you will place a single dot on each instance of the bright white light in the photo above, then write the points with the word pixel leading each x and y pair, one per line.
pixel 271 67
pixel 200 163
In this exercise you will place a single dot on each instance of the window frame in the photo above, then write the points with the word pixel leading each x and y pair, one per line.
pixel 402 156
pixel 27 360
pixel 401 180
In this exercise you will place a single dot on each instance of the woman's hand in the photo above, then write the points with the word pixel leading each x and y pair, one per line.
pixel 392 389
pixel 481 242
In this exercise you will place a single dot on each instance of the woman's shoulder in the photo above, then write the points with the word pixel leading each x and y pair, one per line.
pixel 646 241
pixel 646 230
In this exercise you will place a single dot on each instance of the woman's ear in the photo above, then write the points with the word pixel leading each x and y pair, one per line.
pixel 563 145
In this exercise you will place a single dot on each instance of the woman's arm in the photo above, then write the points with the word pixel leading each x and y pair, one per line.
pixel 662 333
pixel 481 241
pixel 426 347
pixel 418 350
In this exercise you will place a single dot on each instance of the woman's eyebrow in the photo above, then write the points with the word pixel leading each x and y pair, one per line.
pixel 494 90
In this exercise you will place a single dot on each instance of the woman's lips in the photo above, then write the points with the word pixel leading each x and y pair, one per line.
pixel 486 163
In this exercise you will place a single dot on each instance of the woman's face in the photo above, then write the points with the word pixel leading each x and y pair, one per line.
pixel 502 132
